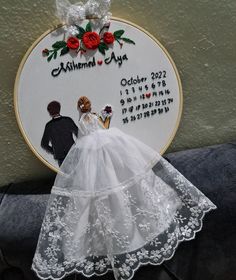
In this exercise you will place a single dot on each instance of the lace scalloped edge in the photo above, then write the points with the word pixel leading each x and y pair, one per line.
pixel 133 270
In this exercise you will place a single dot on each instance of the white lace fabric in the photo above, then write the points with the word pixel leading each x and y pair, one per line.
pixel 108 209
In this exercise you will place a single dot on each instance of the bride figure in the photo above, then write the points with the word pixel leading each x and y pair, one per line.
pixel 108 209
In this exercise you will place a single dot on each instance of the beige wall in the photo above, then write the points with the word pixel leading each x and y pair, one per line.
pixel 200 36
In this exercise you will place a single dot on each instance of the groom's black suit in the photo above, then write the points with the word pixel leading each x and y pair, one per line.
pixel 59 133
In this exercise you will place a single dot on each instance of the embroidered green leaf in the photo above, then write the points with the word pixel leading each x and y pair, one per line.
pixel 81 31
pixel 55 55
pixel 102 48
pixel 64 51
pixel 88 27
pixel 80 35
pixel 103 45
pixel 59 45
pixel 127 40
pixel 50 57
pixel 117 34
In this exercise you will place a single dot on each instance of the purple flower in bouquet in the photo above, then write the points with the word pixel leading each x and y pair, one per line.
pixel 106 115
pixel 106 112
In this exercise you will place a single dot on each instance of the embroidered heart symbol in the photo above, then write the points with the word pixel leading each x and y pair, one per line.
pixel 148 95
pixel 99 62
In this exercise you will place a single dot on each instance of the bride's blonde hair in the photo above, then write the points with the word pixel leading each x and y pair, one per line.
pixel 84 104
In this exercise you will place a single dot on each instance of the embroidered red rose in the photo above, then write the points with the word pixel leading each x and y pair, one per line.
pixel 108 38
pixel 45 52
pixel 72 43
pixel 91 40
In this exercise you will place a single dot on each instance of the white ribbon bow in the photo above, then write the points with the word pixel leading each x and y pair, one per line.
pixel 74 14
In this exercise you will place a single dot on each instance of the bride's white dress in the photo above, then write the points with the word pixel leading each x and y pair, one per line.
pixel 108 210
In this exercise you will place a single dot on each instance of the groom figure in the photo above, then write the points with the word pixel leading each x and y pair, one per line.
pixel 58 133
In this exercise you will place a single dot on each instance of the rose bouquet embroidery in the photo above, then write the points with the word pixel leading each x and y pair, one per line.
pixel 87 39
pixel 105 115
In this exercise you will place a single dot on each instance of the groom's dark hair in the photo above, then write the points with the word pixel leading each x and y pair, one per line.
pixel 54 108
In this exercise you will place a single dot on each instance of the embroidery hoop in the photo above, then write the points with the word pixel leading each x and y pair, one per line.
pixel 37 41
